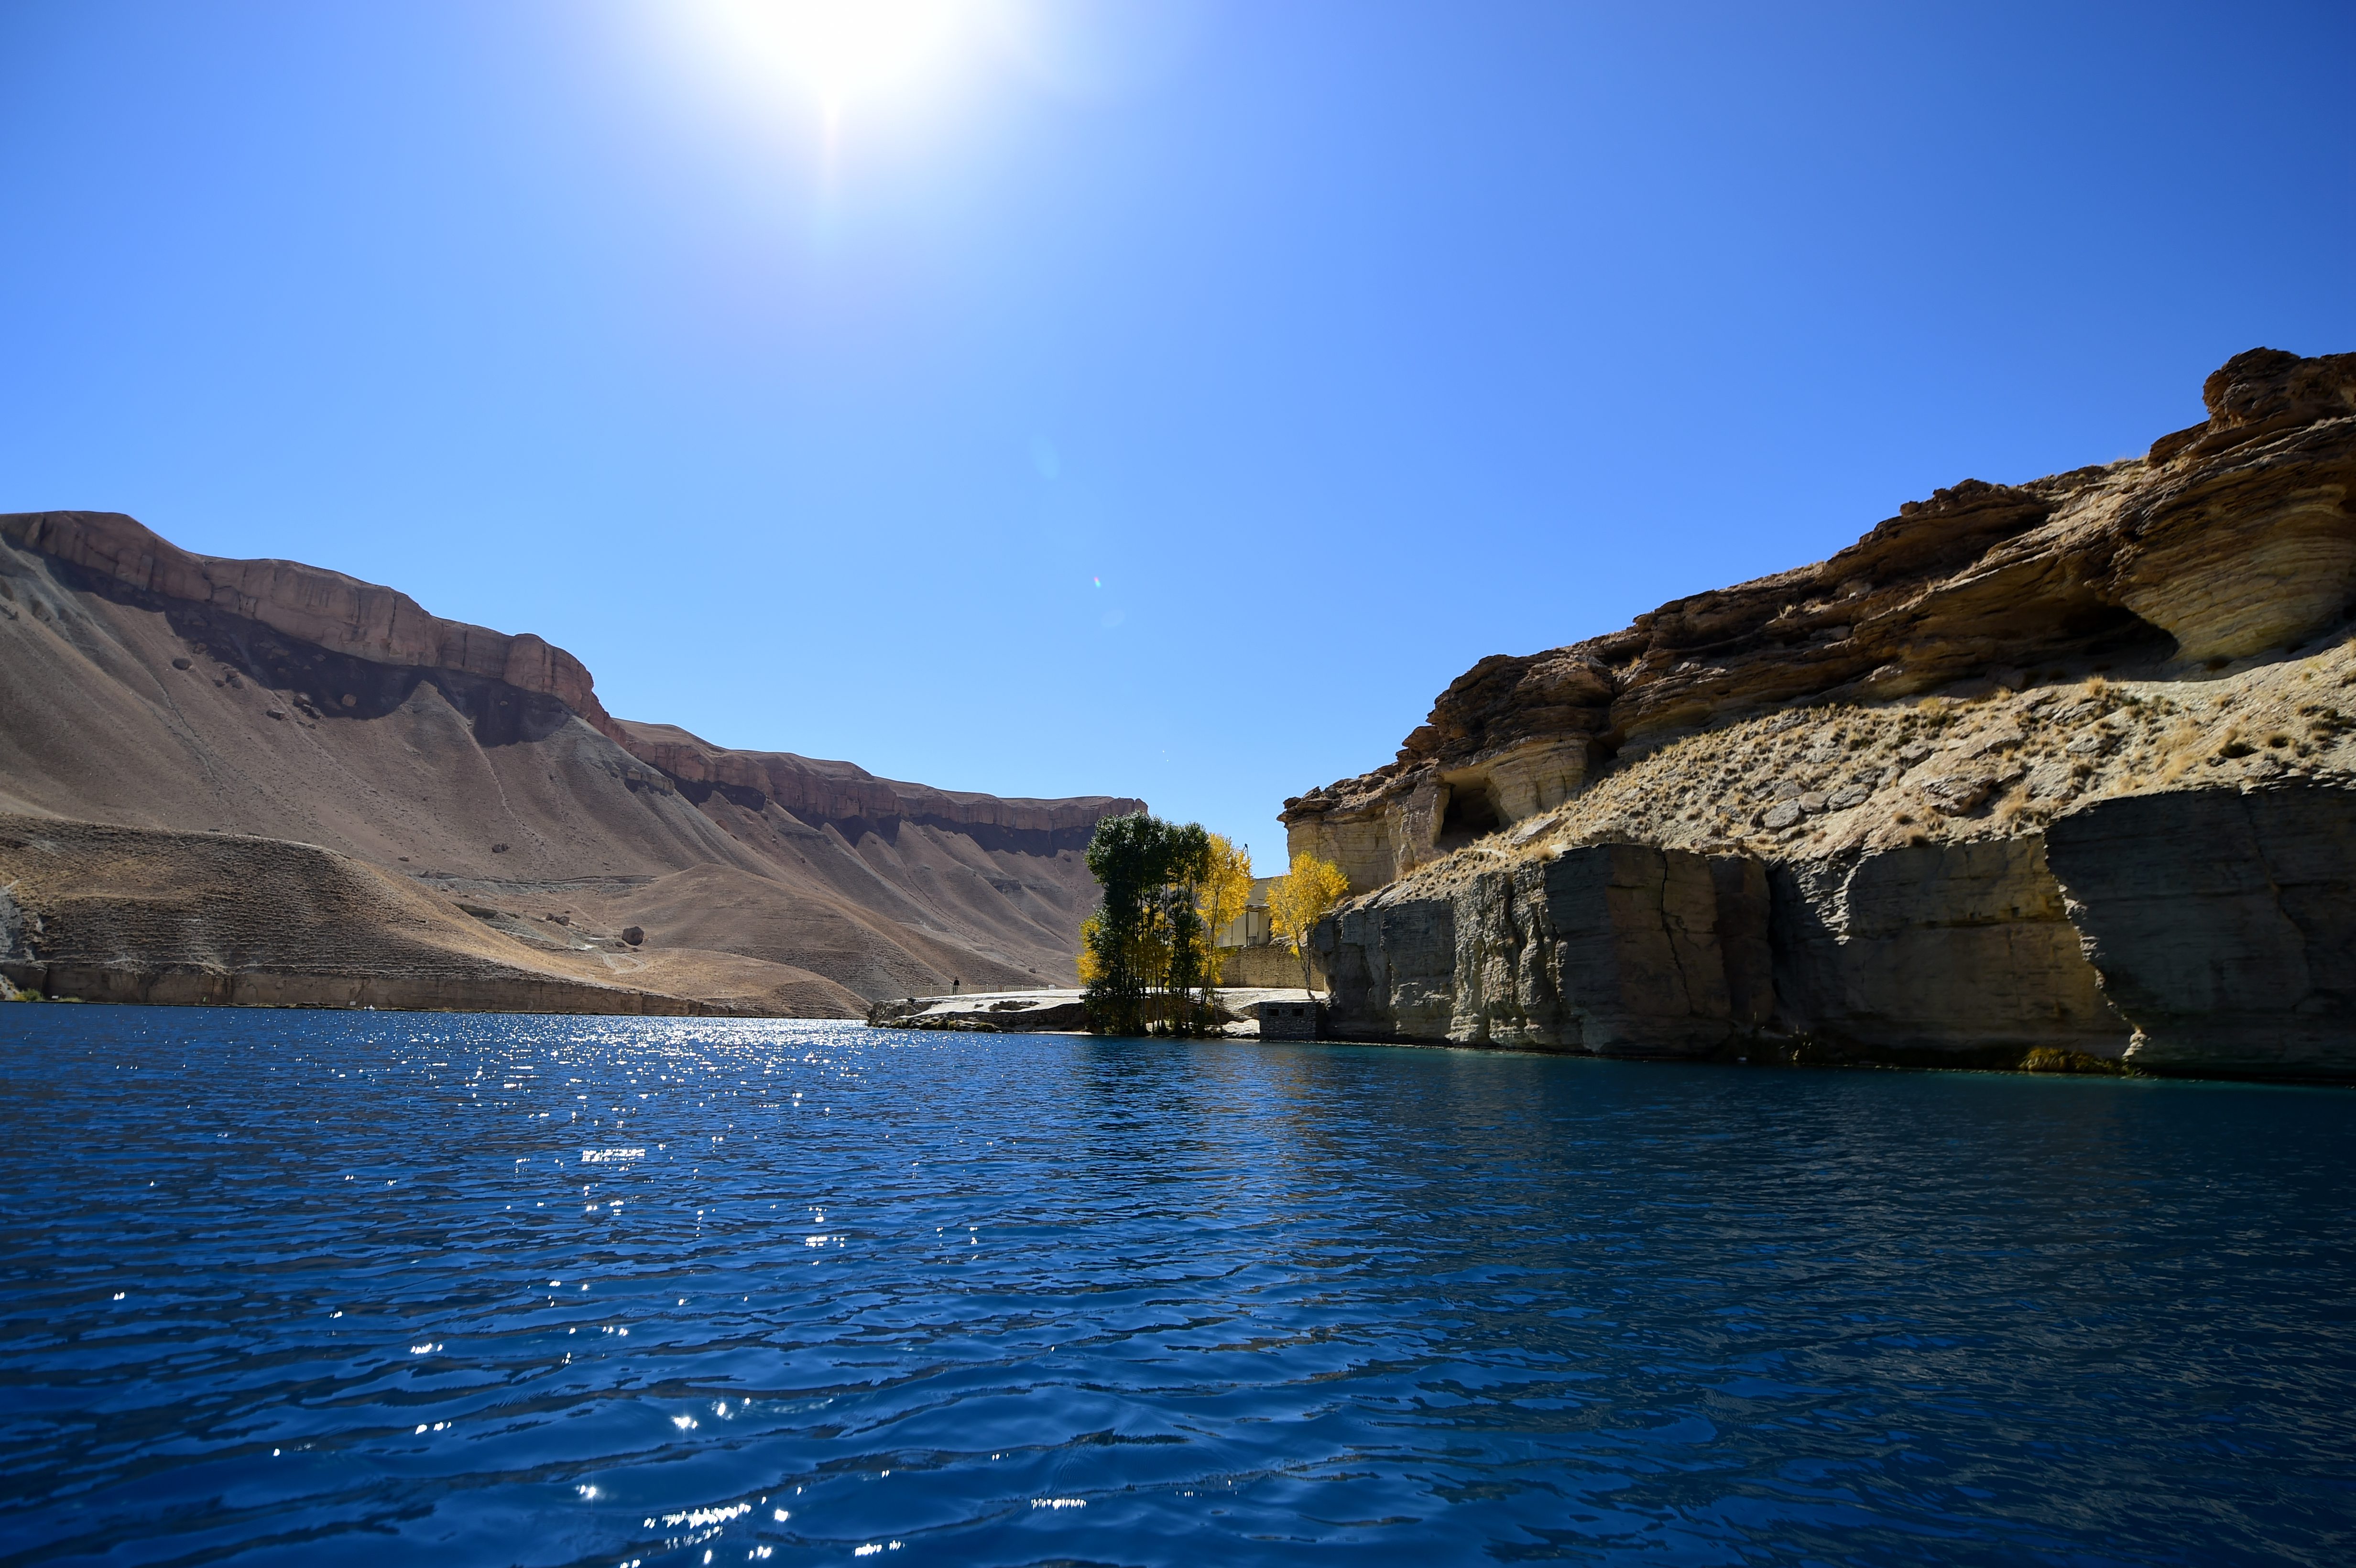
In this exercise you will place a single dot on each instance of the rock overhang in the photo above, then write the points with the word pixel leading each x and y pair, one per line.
pixel 2234 542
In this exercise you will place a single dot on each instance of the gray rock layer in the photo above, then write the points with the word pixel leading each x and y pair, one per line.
pixel 2207 931
pixel 2222 925
pixel 1939 947
pixel 1618 949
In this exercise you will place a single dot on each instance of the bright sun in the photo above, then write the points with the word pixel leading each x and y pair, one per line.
pixel 843 51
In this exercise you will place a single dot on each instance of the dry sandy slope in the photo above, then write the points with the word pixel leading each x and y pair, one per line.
pixel 124 707
pixel 143 914
pixel 1816 781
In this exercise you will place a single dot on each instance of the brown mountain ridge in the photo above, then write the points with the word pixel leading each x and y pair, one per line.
pixel 220 714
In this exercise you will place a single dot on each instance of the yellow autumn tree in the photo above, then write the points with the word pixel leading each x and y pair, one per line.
pixel 1300 899
pixel 1089 967
pixel 1220 897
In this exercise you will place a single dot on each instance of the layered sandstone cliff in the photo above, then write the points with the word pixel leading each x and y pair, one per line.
pixel 843 792
pixel 2052 771
pixel 2231 540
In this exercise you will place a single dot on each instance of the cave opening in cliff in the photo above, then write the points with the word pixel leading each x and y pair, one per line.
pixel 1471 811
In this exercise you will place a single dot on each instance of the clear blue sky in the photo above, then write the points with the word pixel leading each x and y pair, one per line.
pixel 1343 342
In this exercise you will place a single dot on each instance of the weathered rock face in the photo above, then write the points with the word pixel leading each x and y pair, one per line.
pixel 1617 950
pixel 1938 947
pixel 2229 540
pixel 2199 931
pixel 2222 924
pixel 2121 825
pixel 1272 968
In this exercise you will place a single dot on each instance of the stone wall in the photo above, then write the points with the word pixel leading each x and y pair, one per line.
pixel 1272 965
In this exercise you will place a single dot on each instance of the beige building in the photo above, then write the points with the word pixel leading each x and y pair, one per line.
pixel 1251 928
pixel 1249 953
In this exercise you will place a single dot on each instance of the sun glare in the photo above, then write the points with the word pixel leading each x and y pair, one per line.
pixel 844 51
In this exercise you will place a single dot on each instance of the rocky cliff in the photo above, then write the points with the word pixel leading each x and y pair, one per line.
pixel 307 604
pixel 151 688
pixel 2058 770
pixel 842 791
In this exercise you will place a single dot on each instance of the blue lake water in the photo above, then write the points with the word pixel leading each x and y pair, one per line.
pixel 314 1287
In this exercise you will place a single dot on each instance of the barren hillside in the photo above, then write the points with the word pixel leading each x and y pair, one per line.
pixel 151 687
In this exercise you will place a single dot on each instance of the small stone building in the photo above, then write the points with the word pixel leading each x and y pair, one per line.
pixel 1304 1020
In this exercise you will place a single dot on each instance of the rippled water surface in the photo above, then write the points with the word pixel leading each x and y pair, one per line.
pixel 314 1288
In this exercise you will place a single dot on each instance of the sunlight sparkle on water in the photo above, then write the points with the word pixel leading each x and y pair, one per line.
pixel 1242 1303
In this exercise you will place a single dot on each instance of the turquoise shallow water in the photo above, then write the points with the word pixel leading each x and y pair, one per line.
pixel 311 1287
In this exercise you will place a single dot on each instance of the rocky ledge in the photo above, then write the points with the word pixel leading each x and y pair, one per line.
pixel 309 604
pixel 2056 773
pixel 2231 540
pixel 820 791
pixel 1058 1011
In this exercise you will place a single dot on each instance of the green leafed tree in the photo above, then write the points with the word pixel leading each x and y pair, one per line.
pixel 1147 951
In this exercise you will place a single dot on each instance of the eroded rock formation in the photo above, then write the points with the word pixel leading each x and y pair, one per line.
pixel 818 791
pixel 2051 772
pixel 2228 541
pixel 2222 923
pixel 1617 949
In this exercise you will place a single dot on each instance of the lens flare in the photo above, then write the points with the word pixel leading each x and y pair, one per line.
pixel 843 51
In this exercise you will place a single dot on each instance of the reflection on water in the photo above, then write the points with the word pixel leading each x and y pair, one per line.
pixel 320 1287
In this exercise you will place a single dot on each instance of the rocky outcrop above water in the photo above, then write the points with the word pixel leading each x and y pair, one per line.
pixel 2054 773
pixel 1955 948
pixel 2201 930
pixel 2222 924
pixel 2228 541
pixel 1617 949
